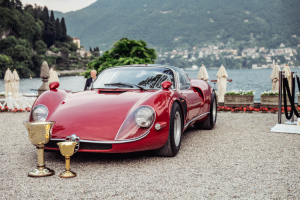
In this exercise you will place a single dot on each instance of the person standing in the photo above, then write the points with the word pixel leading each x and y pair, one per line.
pixel 89 81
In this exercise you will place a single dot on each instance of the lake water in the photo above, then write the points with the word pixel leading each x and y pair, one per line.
pixel 245 79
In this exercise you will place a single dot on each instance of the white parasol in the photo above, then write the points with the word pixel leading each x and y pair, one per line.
pixel 222 78
pixel 53 76
pixel 203 75
pixel 275 78
pixel 8 82
pixel 16 84
pixel 288 75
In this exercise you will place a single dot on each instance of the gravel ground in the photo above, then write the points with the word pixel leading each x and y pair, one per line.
pixel 240 158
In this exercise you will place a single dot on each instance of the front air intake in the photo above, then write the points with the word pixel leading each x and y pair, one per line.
pixel 110 92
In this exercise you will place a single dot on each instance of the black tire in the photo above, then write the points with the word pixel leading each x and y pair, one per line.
pixel 172 146
pixel 211 120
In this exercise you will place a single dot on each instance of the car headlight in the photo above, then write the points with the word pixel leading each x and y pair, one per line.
pixel 40 113
pixel 144 117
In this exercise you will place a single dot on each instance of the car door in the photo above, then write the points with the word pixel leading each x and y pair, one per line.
pixel 191 96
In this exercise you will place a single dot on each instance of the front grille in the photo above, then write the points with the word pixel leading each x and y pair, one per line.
pixel 83 145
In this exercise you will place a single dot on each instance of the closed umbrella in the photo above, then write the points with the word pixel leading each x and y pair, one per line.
pixel 53 76
pixel 288 75
pixel 275 78
pixel 16 84
pixel 8 82
pixel 222 78
pixel 203 75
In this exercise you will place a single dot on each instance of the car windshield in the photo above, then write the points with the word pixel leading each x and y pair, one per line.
pixel 132 77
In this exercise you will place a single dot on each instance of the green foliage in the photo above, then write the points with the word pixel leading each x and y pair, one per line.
pixel 270 93
pixel 45 15
pixel 58 30
pixel 41 47
pixel 64 30
pixel 28 30
pixel 124 52
pixel 5 62
pixel 240 92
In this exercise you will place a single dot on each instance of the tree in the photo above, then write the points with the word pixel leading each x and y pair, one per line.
pixel 41 47
pixel 91 50
pixel 58 30
pixel 5 62
pixel 49 34
pixel 64 30
pixel 52 19
pixel 45 15
pixel 5 4
pixel 124 52
pixel 64 60
pixel 18 5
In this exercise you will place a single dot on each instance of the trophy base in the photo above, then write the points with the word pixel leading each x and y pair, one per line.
pixel 67 174
pixel 41 173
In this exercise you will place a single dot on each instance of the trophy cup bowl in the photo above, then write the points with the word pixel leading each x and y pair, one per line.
pixel 67 150
pixel 39 134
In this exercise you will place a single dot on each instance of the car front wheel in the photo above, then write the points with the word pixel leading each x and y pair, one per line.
pixel 172 146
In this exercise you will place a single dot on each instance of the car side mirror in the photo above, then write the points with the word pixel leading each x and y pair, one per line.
pixel 166 85
pixel 54 85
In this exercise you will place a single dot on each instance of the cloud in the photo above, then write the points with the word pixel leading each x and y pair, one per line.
pixel 61 5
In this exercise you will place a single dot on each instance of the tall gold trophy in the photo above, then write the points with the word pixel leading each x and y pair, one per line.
pixel 67 150
pixel 39 134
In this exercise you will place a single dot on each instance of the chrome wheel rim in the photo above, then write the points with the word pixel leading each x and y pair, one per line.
pixel 177 128
pixel 214 112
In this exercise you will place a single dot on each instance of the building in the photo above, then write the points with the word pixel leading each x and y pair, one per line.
pixel 83 52
pixel 76 41
pixel 282 45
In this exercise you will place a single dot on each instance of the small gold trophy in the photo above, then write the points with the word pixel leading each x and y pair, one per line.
pixel 39 134
pixel 67 150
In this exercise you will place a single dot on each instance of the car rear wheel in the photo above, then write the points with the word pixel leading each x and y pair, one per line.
pixel 211 120
pixel 172 146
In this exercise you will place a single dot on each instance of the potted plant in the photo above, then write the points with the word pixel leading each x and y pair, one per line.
pixel 2 95
pixel 269 99
pixel 240 98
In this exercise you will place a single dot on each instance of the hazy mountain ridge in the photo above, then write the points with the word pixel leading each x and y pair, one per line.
pixel 173 23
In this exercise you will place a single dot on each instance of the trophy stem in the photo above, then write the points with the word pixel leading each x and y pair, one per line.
pixel 41 169
pixel 68 173
pixel 68 164
pixel 41 162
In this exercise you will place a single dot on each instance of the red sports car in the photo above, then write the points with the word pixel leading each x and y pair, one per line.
pixel 128 109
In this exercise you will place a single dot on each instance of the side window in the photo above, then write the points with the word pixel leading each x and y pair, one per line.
pixel 184 83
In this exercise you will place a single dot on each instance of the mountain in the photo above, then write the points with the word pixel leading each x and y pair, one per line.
pixel 178 23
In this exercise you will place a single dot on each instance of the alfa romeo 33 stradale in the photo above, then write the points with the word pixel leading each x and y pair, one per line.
pixel 128 109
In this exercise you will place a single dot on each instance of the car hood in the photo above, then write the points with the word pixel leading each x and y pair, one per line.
pixel 92 115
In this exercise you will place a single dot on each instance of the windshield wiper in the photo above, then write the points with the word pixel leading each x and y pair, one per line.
pixel 126 84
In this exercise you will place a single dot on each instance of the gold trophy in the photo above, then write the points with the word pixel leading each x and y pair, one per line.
pixel 67 150
pixel 39 134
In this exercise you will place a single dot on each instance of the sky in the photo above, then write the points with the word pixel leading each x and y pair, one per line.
pixel 61 5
